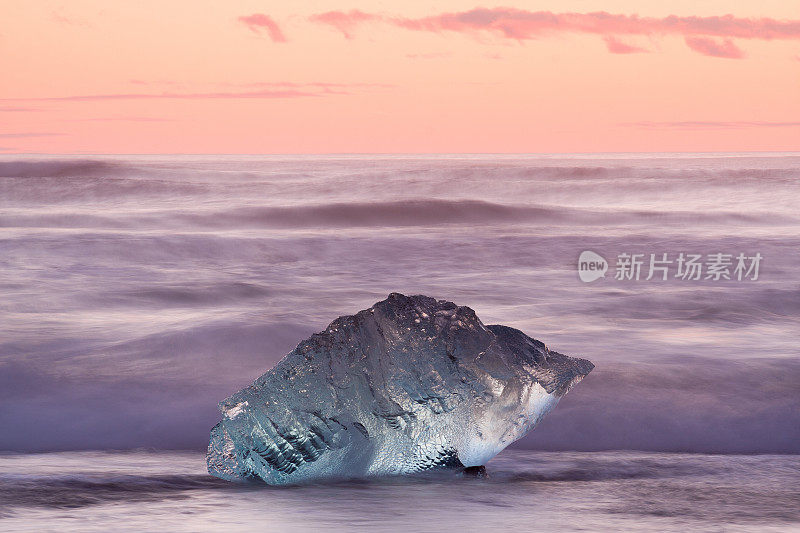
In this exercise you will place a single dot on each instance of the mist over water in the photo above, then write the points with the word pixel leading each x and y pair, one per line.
pixel 140 291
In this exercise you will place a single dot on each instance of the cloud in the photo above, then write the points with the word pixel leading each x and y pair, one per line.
pixel 520 24
pixel 258 23
pixel 263 94
pixel 126 119
pixel 710 124
pixel 262 84
pixel 616 46
pixel 430 55
pixel 67 20
pixel 345 21
pixel 16 109
pixel 326 86
pixel 155 82
pixel 261 90
pixel 25 135
pixel 709 47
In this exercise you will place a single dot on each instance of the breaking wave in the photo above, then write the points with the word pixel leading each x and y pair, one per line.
pixel 75 491
pixel 58 168
pixel 415 212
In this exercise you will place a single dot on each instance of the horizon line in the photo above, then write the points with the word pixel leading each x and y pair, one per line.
pixel 699 152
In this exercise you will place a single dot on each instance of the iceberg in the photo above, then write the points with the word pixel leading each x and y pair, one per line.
pixel 410 384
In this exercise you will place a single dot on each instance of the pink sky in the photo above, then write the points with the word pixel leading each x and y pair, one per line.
pixel 91 76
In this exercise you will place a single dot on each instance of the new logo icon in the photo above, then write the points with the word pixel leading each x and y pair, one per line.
pixel 591 266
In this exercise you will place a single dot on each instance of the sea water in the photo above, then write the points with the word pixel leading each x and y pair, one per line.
pixel 524 491
pixel 138 291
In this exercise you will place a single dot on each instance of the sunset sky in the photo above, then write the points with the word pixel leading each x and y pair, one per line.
pixel 327 76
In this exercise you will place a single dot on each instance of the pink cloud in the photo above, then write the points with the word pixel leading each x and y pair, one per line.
pixel 326 86
pixel 71 21
pixel 711 124
pixel 258 22
pixel 709 47
pixel 345 21
pixel 26 135
pixel 289 93
pixel 126 119
pixel 258 90
pixel 616 46
pixel 520 24
pixel 430 55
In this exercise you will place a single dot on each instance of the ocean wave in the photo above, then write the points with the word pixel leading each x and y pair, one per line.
pixel 747 306
pixel 75 491
pixel 356 214
pixel 400 213
pixel 623 172
pixel 184 294
pixel 395 213
pixel 58 168
pixel 613 466
pixel 681 404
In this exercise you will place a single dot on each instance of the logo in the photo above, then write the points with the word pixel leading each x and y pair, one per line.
pixel 685 266
pixel 591 266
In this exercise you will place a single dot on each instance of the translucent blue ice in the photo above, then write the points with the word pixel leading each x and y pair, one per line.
pixel 408 385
